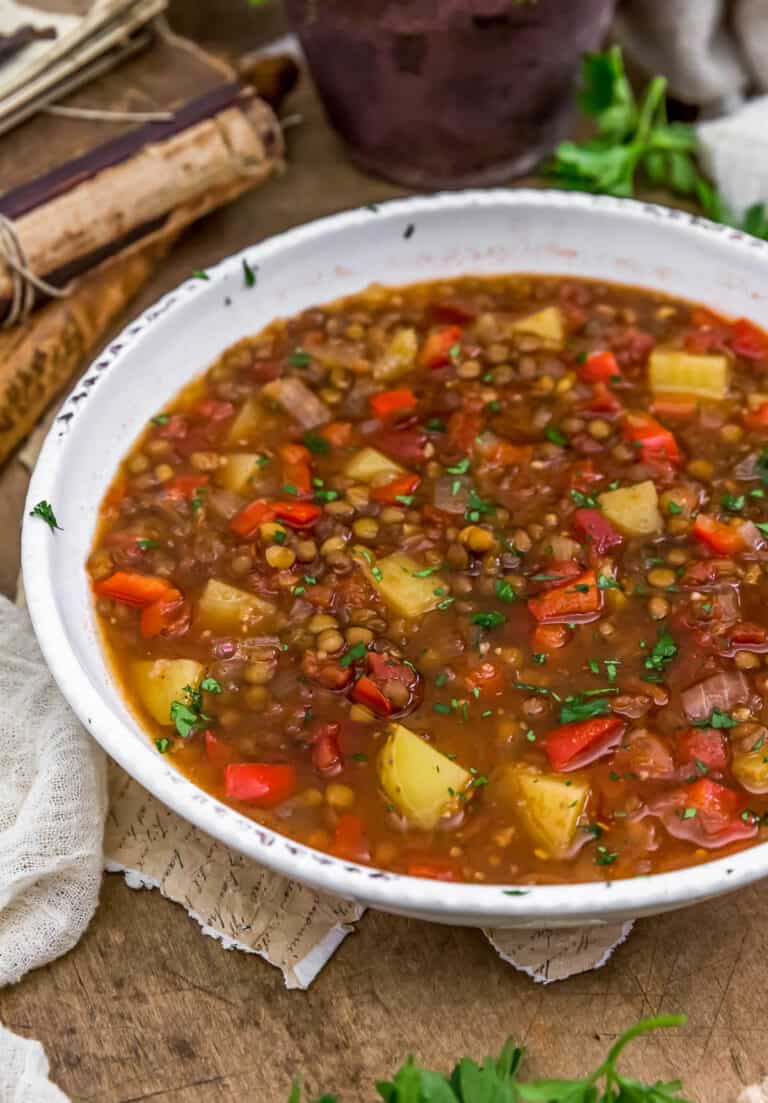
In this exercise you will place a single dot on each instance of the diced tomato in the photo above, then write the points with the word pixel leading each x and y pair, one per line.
pixel 387 403
pixel 349 840
pixel 748 340
pixel 550 637
pixel 496 452
pixel 578 599
pixel 299 515
pixel 463 428
pixel 337 433
pixel 246 522
pixel 675 407
pixel 724 538
pixel 486 678
pixel 748 635
pixel 569 745
pixel 326 752
pixel 184 487
pixel 713 800
pixel 396 488
pixel 169 616
pixel 599 367
pixel 263 784
pixel 601 401
pixel 175 428
pixel 131 588
pixel 214 410
pixel 217 751
pixel 366 692
pixel 434 871
pixel 704 745
pixel 405 445
pixel 295 459
pixel 594 526
pixel 384 667
pixel 436 351
pixel 652 439
pixel 757 419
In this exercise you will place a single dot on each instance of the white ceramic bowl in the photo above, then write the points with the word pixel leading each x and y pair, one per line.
pixel 470 232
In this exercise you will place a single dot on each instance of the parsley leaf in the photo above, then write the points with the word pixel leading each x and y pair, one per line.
pixel 664 651
pixel 315 443
pixel 504 590
pixel 44 510
pixel 357 651
pixel 489 620
pixel 249 275
pixel 717 719
pixel 580 706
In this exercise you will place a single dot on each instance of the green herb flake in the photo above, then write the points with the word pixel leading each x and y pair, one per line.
pixel 210 685
pixel 199 274
pixel 734 503
pixel 556 436
pixel 162 745
pixel 146 545
pixel 44 510
pixel 459 468
pixel 688 813
pixel 504 590
pixel 356 651
pixel 717 719
pixel 491 619
pixel 249 275
pixel 605 857
pixel 299 358
pixel 435 425
pixel 160 419
pixel 316 443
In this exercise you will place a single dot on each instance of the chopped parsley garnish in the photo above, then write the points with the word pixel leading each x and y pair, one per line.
pixel 405 499
pixel 160 419
pixel 326 495
pixel 163 744
pixel 540 657
pixel 146 544
pixel 299 358
pixel 454 352
pixel 583 501
pixel 556 436
pixel 476 506
pixel 290 488
pixel 187 716
pixel 717 719
pixel 425 572
pixel 504 590
pixel 674 508
pixel 763 526
pixel 493 407
pixel 543 691
pixel 734 503
pixel 199 274
pixel 356 651
pixel 210 685
pixel 359 756
pixel 44 510
pixel 584 706
pixel 435 425
pixel 315 443
pixel 605 857
pixel 459 468
pixel 688 813
pixel 249 275
pixel 663 652
pixel 605 582
pixel 491 619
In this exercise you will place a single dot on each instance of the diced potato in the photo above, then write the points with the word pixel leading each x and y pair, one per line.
pixel 366 464
pixel 160 682
pixel 634 510
pixel 239 471
pixel 751 769
pixel 678 372
pixel 395 577
pixel 248 423
pixel 399 355
pixel 224 608
pixel 549 805
pixel 421 783
pixel 546 323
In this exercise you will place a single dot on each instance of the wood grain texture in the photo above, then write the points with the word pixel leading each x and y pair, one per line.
pixel 147 1009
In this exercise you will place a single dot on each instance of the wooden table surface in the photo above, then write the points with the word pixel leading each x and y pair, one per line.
pixel 146 1008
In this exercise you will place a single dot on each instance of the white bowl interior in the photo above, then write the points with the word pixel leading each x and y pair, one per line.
pixel 475 232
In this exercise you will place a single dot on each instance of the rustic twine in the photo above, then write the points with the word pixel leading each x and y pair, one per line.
pixel 24 282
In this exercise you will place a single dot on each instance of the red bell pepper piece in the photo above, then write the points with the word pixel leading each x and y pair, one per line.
pixel 757 419
pixel 299 515
pixel 594 526
pixel 396 488
pixel 724 538
pixel 748 340
pixel 295 465
pixel 568 745
pixel 184 487
pixel 168 616
pixel 366 692
pixel 434 871
pixel 599 367
pixel 131 588
pixel 576 600
pixel 653 441
pixel 217 751
pixel 436 352
pixel 349 841
pixel 675 407
pixel 260 783
pixel 387 403
pixel 704 745
pixel 246 522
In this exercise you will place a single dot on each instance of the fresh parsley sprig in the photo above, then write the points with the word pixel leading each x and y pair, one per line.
pixel 634 138
pixel 497 1081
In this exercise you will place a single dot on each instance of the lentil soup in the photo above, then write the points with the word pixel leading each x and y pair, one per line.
pixel 461 580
